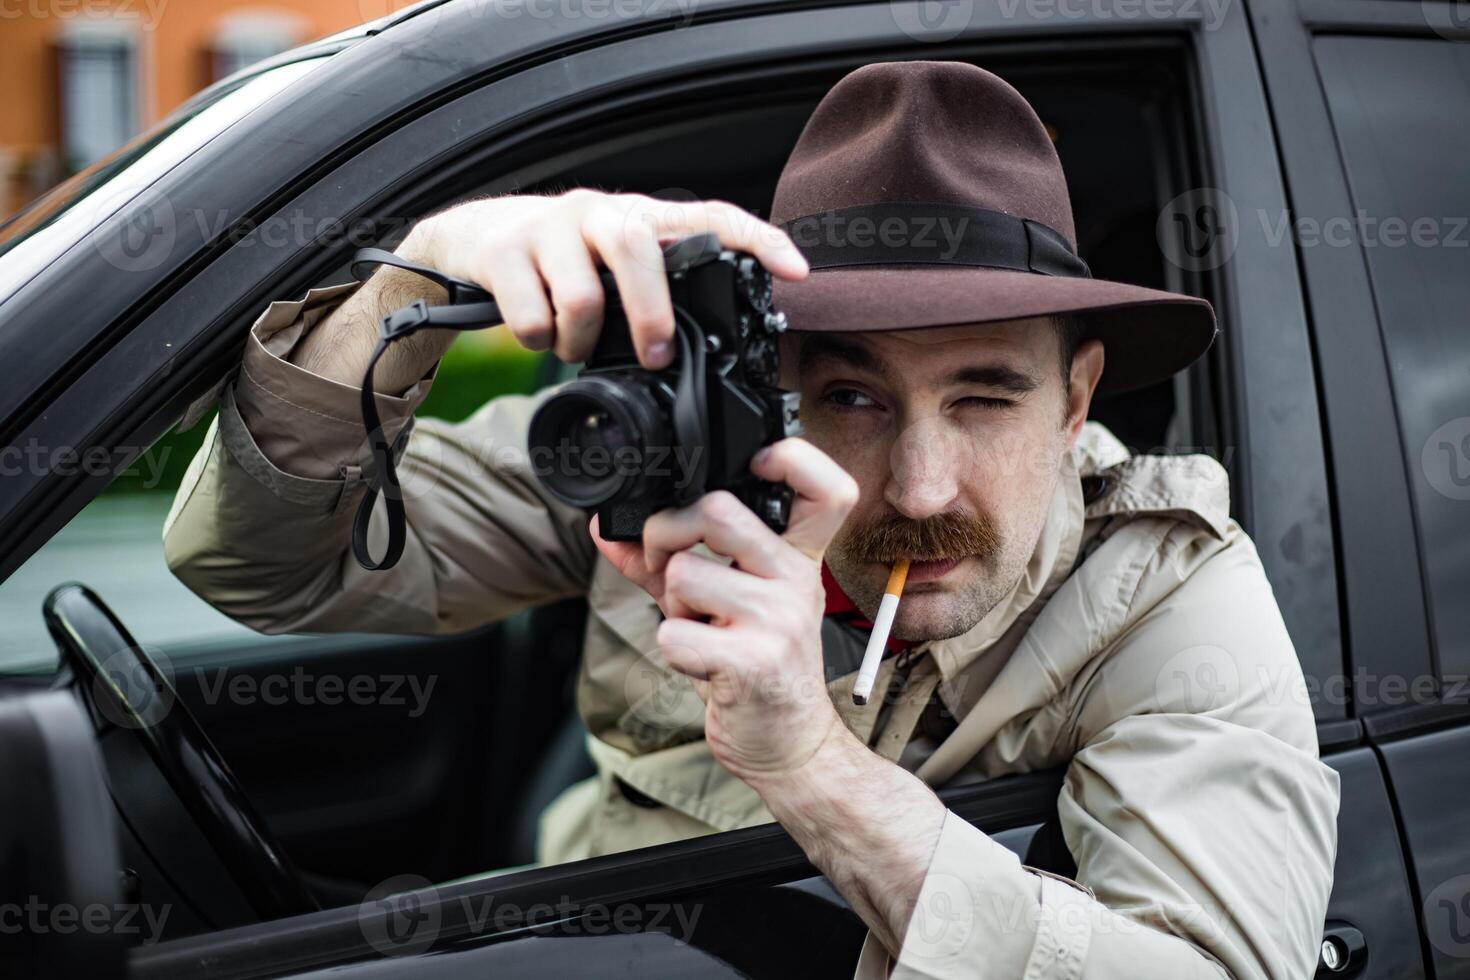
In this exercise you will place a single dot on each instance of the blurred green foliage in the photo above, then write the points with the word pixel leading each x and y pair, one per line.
pixel 472 373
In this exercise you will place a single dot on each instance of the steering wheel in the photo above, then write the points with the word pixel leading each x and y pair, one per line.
pixel 124 687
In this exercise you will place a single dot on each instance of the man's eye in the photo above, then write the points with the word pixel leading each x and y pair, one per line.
pixel 983 402
pixel 849 398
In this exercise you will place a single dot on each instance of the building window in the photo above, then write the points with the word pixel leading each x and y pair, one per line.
pixel 245 37
pixel 99 93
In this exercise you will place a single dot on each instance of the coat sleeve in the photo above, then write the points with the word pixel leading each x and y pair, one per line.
pixel 1201 818
pixel 261 525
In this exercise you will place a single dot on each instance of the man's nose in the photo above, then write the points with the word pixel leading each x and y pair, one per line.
pixel 925 465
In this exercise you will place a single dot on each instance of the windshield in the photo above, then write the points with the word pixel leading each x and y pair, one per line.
pixel 42 232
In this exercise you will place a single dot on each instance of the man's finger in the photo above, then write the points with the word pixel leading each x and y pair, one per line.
pixel 825 492
pixel 696 650
pixel 521 295
pixel 576 292
pixel 625 556
pixel 737 229
pixel 724 524
pixel 631 250
pixel 712 589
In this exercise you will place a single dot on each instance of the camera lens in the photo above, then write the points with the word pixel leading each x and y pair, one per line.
pixel 595 437
pixel 590 442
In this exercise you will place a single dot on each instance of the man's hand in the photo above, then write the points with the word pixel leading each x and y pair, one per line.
pixel 757 662
pixel 538 256
pixel 749 634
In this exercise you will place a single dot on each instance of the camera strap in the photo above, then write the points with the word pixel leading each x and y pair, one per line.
pixel 469 308
pixel 472 308
pixel 691 410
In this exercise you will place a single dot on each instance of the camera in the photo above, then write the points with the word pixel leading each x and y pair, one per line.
pixel 626 442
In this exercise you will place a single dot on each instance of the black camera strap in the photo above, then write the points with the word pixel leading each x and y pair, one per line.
pixel 472 308
pixel 691 415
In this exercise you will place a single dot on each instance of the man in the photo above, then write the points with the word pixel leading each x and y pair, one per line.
pixel 1067 603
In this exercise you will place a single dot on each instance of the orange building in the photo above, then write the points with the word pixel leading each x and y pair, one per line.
pixel 82 76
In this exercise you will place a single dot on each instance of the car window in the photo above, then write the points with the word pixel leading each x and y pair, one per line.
pixel 115 545
pixel 1405 159
pixel 59 219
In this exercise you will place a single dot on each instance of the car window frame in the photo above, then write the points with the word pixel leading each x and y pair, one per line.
pixel 752 856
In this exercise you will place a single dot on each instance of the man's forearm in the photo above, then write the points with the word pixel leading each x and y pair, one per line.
pixel 866 824
pixel 339 347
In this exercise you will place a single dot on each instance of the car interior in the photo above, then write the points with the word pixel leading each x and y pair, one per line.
pixel 358 793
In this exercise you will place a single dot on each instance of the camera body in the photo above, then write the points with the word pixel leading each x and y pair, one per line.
pixel 626 442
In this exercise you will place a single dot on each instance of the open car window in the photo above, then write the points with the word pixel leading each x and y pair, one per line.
pixel 115 544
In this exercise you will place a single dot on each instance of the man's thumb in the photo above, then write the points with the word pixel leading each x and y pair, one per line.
pixel 625 556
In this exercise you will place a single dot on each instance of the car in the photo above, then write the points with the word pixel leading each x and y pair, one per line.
pixel 1300 163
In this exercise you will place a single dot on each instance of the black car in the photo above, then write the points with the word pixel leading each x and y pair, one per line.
pixel 1300 163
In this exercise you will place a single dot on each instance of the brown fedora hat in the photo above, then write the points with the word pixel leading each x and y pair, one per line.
pixel 927 193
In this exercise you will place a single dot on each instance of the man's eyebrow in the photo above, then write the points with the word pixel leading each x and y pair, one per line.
pixel 817 348
pixel 995 376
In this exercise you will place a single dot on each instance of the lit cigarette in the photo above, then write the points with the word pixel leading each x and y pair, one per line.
pixel 878 639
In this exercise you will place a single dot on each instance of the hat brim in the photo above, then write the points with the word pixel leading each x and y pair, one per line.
pixel 1148 334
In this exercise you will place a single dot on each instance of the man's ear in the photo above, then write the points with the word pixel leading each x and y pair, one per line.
pixel 1087 368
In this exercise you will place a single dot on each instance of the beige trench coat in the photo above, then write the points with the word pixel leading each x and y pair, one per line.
pixel 1143 649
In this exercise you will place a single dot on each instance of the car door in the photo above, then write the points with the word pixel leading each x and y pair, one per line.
pixel 378 142
pixel 1374 145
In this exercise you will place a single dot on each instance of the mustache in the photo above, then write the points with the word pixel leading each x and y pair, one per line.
pixel 949 535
